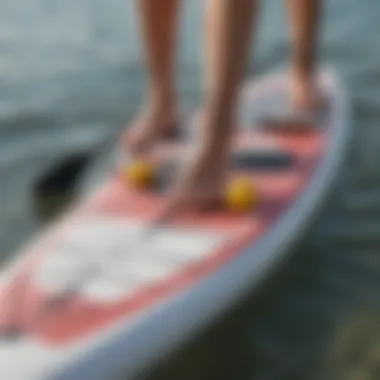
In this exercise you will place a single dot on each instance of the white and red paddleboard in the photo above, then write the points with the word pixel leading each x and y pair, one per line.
pixel 98 297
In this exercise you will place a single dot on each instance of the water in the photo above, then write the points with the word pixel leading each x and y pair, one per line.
pixel 70 71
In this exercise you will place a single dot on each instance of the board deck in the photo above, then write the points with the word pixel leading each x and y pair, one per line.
pixel 98 270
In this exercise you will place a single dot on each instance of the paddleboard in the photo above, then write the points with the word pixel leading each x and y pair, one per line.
pixel 104 293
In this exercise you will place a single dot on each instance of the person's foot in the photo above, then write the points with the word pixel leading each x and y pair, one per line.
pixel 200 185
pixel 304 92
pixel 148 128
pixel 302 108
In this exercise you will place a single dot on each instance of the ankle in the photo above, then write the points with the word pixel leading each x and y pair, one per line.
pixel 303 74
pixel 216 134
pixel 161 98
pixel 161 109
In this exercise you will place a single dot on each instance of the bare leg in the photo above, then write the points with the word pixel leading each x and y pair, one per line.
pixel 158 28
pixel 304 17
pixel 228 26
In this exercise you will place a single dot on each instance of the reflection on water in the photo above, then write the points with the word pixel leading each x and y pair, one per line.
pixel 65 86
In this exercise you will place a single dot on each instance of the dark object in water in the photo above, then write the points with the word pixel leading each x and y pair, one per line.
pixel 55 188
pixel 61 176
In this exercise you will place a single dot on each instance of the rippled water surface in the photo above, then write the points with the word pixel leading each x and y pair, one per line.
pixel 70 71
